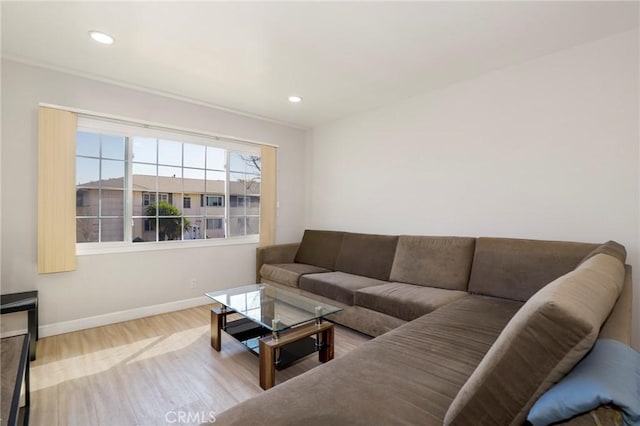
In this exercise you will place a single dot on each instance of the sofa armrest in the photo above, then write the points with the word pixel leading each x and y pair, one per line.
pixel 618 324
pixel 277 253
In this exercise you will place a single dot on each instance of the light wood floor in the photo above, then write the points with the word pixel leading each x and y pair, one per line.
pixel 148 371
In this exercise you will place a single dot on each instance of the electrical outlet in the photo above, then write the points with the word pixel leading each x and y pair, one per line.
pixel 194 283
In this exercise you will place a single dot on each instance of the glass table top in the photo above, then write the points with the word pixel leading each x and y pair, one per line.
pixel 271 307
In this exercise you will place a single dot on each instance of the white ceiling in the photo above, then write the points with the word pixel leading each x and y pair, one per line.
pixel 342 58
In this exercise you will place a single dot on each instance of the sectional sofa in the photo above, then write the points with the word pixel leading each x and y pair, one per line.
pixel 471 331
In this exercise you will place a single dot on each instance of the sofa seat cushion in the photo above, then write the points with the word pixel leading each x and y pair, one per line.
pixel 338 286
pixel 405 301
pixel 543 341
pixel 407 376
pixel 367 255
pixel 288 273
pixel 443 262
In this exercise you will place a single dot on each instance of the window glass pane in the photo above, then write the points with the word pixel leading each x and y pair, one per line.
pixel 170 187
pixel 145 202
pixel 86 202
pixel 112 202
pixel 113 147
pixel 252 184
pixel 215 158
pixel 112 229
pixel 88 144
pixel 215 182
pixel 194 155
pixel 169 228
pixel 112 174
pixel 236 162
pixel 252 164
pixel 253 206
pixel 144 170
pixel 170 172
pixel 87 230
pixel 237 183
pixel 236 226
pixel 193 181
pixel 236 195
pixel 144 150
pixel 162 204
pixel 215 227
pixel 144 182
pixel 170 153
pixel 253 225
pixel 193 228
pixel 87 172
pixel 144 230
pixel 214 204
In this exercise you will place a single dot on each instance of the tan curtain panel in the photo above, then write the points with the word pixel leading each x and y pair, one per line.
pixel 268 196
pixel 56 190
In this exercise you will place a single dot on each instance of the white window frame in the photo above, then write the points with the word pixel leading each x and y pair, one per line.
pixel 90 124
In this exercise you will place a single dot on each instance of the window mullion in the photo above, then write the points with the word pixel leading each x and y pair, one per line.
pixel 100 190
pixel 128 204
pixel 227 224
pixel 157 193
pixel 182 195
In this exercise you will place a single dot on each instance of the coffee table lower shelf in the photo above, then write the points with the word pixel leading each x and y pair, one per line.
pixel 275 352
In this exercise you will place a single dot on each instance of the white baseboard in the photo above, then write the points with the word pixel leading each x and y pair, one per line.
pixel 115 317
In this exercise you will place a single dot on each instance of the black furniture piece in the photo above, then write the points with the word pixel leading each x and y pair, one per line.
pixel 25 301
pixel 14 371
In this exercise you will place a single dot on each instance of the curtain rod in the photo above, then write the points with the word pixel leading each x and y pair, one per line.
pixel 154 125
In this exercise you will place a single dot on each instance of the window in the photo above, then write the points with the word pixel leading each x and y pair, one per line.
pixel 150 198
pixel 214 201
pixel 136 187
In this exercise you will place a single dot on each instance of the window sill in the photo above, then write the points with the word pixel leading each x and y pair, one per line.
pixel 87 249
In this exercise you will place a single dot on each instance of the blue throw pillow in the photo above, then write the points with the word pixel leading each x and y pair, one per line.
pixel 609 374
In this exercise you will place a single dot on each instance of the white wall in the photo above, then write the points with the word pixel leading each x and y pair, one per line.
pixel 547 149
pixel 104 284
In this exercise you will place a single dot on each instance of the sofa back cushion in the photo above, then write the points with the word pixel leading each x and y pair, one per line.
pixel 368 255
pixel 611 248
pixel 319 248
pixel 516 269
pixel 443 262
pixel 542 342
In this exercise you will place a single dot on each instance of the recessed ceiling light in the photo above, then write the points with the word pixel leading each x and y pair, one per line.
pixel 101 37
pixel 295 99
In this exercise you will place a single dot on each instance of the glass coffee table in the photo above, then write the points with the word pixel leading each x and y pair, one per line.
pixel 279 326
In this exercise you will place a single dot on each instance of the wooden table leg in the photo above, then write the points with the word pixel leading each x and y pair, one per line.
pixel 326 352
pixel 217 318
pixel 271 345
pixel 267 365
